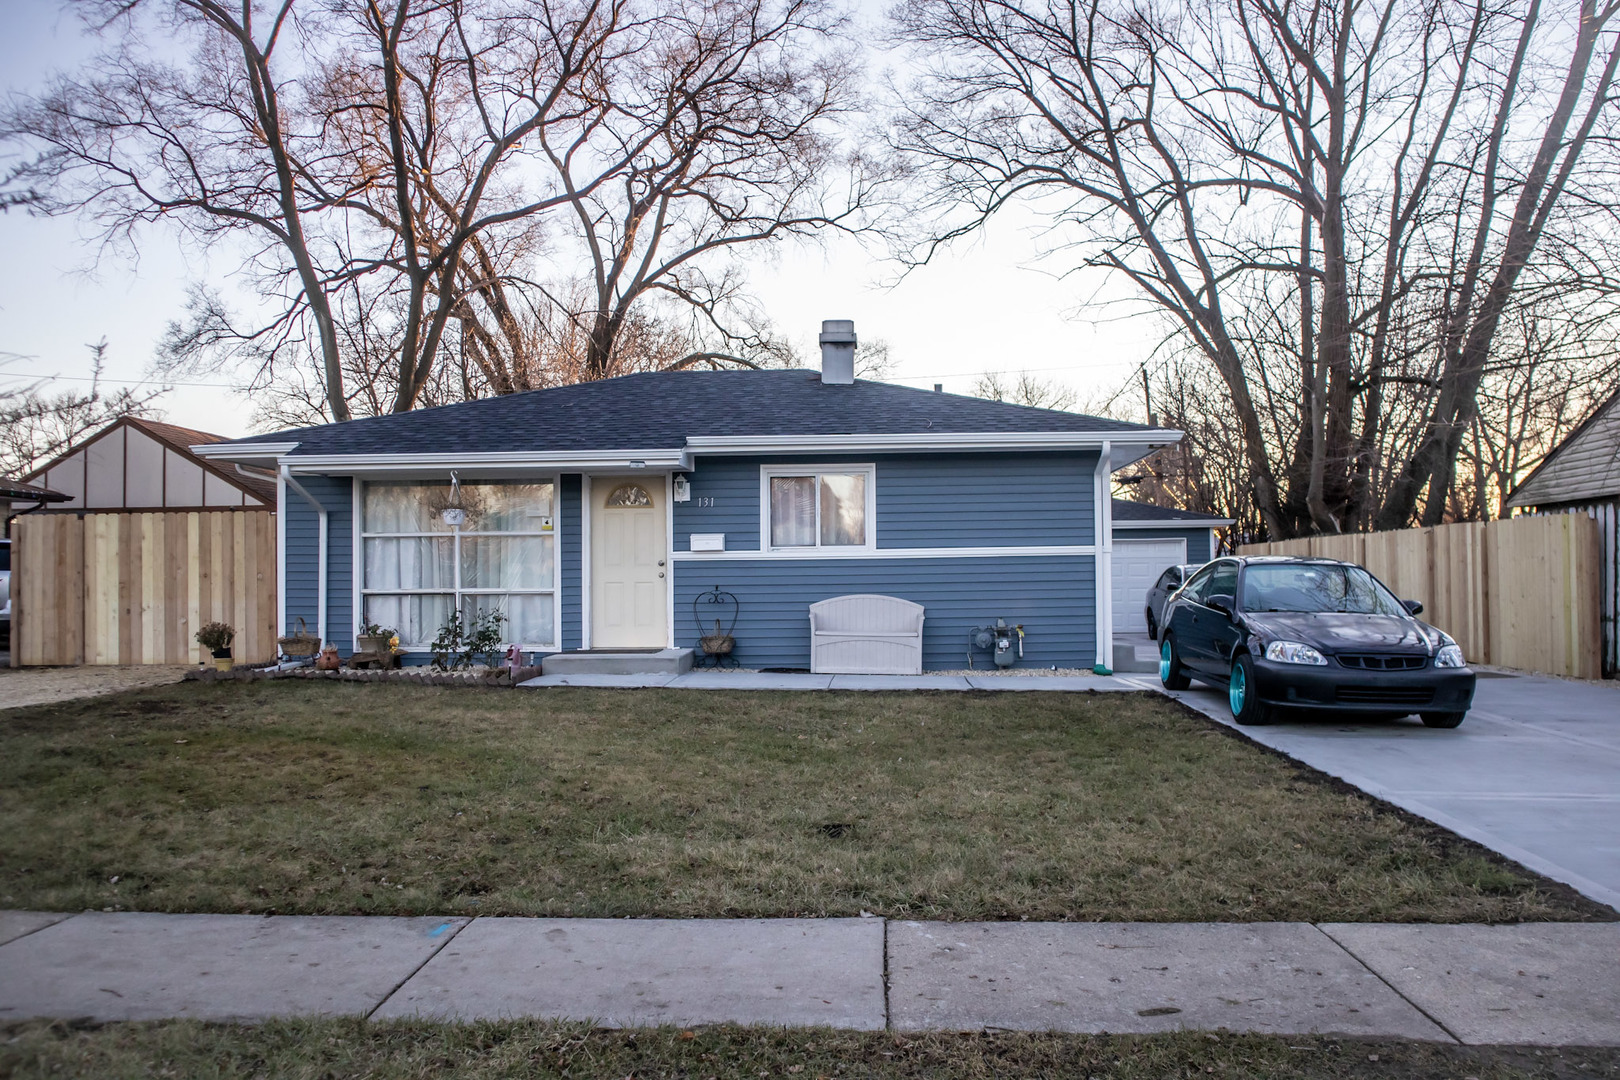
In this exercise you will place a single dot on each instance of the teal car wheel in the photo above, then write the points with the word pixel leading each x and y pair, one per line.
pixel 1243 695
pixel 1171 673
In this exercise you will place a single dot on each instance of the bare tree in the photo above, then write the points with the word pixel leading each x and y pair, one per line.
pixel 392 166
pixel 210 147
pixel 1306 191
pixel 36 427
pixel 1024 389
pixel 736 111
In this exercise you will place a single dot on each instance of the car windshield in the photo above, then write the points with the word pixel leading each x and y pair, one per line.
pixel 1316 587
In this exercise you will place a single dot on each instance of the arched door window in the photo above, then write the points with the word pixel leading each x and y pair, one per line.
pixel 629 495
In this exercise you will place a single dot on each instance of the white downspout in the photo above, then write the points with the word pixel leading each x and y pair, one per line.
pixel 1105 562
pixel 320 513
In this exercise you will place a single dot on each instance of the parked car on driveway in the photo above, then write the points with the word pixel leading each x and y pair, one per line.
pixel 1280 632
pixel 1163 588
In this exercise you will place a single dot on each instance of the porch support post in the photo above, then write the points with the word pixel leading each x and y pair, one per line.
pixel 320 514
pixel 1104 517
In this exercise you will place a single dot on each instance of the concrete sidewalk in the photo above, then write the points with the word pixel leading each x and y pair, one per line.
pixel 1538 983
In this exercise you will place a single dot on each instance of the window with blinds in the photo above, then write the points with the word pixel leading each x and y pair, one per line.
pixel 813 508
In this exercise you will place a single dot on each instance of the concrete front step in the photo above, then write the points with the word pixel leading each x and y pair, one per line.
pixel 608 662
pixel 1135 653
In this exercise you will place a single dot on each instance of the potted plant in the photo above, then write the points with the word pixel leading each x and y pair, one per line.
pixel 377 639
pixel 216 637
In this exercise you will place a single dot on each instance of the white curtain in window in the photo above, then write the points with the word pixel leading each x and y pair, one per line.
pixel 528 615
pixel 490 552
pixel 843 509
pixel 506 562
pixel 409 562
pixel 416 618
pixel 402 508
pixel 506 506
pixel 793 511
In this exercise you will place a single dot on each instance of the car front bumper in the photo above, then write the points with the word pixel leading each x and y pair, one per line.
pixel 1428 689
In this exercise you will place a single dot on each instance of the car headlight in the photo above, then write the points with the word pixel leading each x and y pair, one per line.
pixel 1449 656
pixel 1294 652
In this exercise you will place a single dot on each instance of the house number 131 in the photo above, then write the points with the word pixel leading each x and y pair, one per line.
pixel 704 500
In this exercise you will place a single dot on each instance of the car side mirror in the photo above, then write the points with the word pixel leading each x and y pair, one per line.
pixel 1222 604
pixel 1414 606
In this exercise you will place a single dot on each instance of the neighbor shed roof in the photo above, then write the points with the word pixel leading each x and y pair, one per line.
pixel 1584 466
pixel 1127 513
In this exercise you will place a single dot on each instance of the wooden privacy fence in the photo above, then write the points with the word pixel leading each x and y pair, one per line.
pixel 128 588
pixel 1519 593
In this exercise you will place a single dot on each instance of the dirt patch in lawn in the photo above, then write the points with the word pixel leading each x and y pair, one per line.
pixel 48 685
pixel 478 1051
pixel 324 798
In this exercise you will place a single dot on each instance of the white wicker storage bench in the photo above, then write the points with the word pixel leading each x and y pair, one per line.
pixel 865 634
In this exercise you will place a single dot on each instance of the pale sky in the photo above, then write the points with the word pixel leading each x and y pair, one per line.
pixel 981 308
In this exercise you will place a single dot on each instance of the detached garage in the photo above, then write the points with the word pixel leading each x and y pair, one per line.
pixel 147 542
pixel 1146 540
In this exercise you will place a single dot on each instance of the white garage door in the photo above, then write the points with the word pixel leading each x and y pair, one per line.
pixel 1137 565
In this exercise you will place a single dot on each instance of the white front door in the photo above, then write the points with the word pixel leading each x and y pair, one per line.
pixel 1137 565
pixel 628 556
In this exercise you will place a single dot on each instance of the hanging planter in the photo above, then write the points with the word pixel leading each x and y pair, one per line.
pixel 456 506
pixel 454 514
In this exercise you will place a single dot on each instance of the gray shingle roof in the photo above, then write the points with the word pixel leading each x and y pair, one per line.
pixel 663 409
pixel 22 492
pixel 1586 465
pixel 1126 512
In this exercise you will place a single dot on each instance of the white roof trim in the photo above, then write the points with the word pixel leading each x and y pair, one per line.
pixel 1135 444
pixel 1172 523
pixel 266 453
pixel 662 458
pixel 988 440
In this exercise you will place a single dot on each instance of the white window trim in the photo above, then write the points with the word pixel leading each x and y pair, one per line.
pixel 816 551
pixel 358 566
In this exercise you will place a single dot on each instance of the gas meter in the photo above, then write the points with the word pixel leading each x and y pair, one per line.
pixel 1005 643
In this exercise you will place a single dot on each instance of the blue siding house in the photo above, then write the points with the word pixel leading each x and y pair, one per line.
pixel 591 516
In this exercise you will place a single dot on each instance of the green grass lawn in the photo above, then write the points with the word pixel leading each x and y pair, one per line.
pixel 415 1051
pixel 316 797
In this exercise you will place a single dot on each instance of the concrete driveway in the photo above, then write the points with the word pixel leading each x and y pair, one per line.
pixel 1534 772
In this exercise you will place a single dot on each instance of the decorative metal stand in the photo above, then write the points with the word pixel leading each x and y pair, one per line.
pixel 716 646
